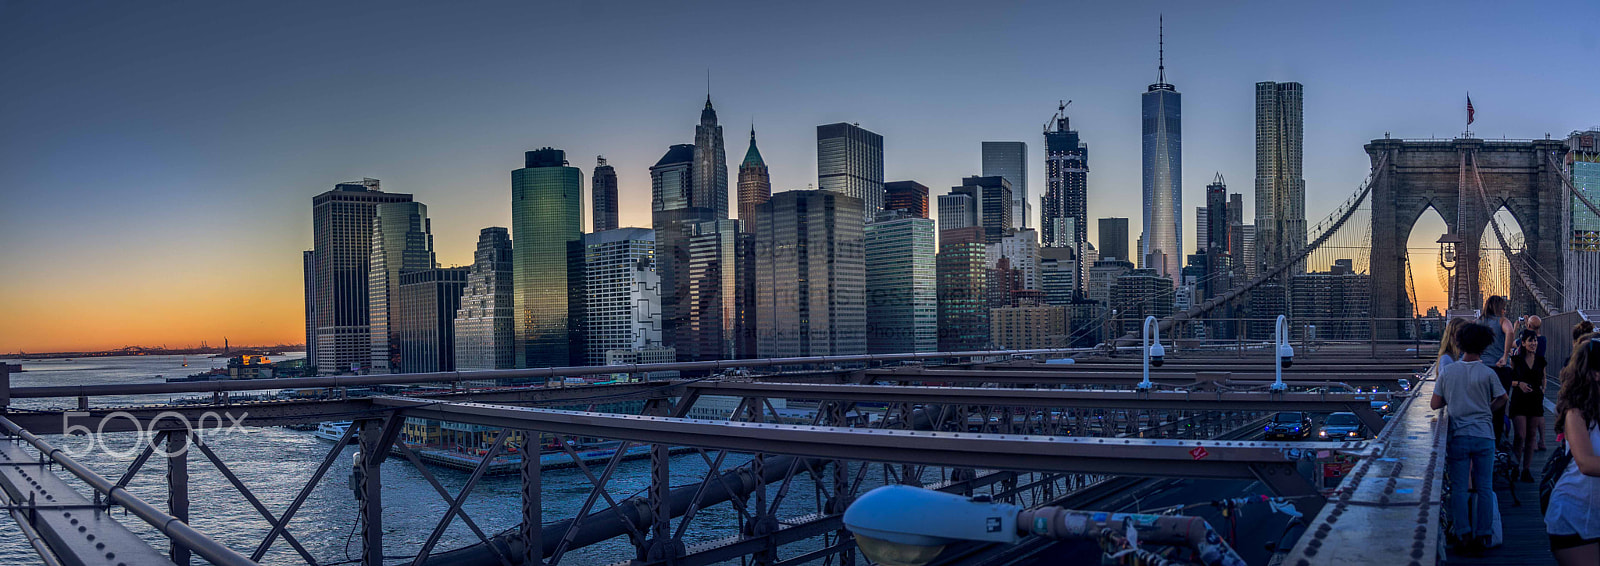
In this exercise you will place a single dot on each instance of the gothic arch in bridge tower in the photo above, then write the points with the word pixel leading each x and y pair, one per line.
pixel 1447 174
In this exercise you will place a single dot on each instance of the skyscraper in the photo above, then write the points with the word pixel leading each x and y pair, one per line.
pixel 1581 251
pixel 1066 193
pixel 755 184
pixel 909 196
pixel 340 331
pixel 963 274
pixel 1280 192
pixel 1163 173
pixel 547 272
pixel 402 240
pixel 1218 263
pixel 604 189
pixel 708 293
pixel 672 179
pixel 622 294
pixel 957 210
pixel 992 198
pixel 1141 293
pixel 902 296
pixel 484 322
pixel 1010 160
pixel 1114 239
pixel 710 164
pixel 810 275
pixel 850 162
pixel 426 301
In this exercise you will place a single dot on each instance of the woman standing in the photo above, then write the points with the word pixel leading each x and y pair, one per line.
pixel 1527 397
pixel 1448 352
pixel 1497 356
pixel 1573 519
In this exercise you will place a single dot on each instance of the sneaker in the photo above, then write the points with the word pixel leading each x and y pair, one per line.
pixel 1539 449
pixel 1527 477
pixel 1482 544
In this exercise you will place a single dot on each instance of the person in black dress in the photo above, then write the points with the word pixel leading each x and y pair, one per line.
pixel 1527 397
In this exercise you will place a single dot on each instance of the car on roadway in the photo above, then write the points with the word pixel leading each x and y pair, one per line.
pixel 1289 425
pixel 1341 426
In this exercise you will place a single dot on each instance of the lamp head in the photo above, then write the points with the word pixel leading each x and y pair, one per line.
pixel 1156 354
pixel 898 525
pixel 1285 355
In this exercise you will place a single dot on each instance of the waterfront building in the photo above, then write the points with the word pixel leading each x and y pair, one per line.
pixel 484 324
pixel 1066 169
pixel 991 197
pixel 1029 327
pixel 622 293
pixel 547 272
pixel 308 270
pixel 1280 190
pixel 1581 251
pixel 710 174
pixel 339 330
pixel 957 210
pixel 1163 174
pixel 962 268
pixel 1009 159
pixel 902 284
pixel 1114 239
pixel 850 162
pixel 427 301
pixel 604 191
pixel 1338 302
pixel 1140 293
pixel 402 240
pixel 909 196
pixel 755 184
pixel 810 275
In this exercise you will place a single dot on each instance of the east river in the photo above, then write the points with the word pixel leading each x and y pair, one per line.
pixel 275 463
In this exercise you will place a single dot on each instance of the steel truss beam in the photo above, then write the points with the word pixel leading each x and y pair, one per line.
pixel 1068 376
pixel 70 524
pixel 1111 456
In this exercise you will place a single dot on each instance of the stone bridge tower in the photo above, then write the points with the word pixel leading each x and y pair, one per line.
pixel 1518 175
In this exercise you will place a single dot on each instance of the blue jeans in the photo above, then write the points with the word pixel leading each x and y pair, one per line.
pixel 1477 454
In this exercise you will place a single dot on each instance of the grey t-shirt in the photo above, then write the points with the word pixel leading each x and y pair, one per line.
pixel 1468 388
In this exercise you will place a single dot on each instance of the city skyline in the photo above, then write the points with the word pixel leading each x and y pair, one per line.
pixel 191 241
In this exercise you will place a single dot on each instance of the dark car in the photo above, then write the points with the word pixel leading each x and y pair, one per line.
pixel 1341 426
pixel 1289 425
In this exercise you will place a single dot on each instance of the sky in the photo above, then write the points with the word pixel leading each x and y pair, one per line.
pixel 158 160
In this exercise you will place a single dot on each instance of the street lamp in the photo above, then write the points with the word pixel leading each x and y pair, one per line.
pixel 1285 352
pixel 1447 262
pixel 1152 355
pixel 899 525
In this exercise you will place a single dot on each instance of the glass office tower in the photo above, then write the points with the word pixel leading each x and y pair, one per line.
pixel 850 162
pixel 902 295
pixel 1163 176
pixel 546 213
pixel 1010 160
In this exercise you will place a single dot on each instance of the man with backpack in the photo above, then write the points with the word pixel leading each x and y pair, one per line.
pixel 1472 391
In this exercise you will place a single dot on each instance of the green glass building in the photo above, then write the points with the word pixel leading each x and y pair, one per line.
pixel 547 260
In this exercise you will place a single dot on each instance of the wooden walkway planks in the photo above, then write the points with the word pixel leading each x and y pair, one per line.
pixel 1525 540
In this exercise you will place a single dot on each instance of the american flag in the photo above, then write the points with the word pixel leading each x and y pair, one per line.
pixel 1469 110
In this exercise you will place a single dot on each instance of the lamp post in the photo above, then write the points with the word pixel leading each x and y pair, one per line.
pixel 900 525
pixel 1152 354
pixel 1447 261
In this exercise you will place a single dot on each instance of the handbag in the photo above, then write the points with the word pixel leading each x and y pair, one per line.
pixel 1553 468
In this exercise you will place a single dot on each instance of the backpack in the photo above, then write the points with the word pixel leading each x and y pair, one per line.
pixel 1553 468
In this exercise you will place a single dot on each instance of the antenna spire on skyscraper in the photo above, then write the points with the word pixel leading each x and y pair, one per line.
pixel 1161 51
